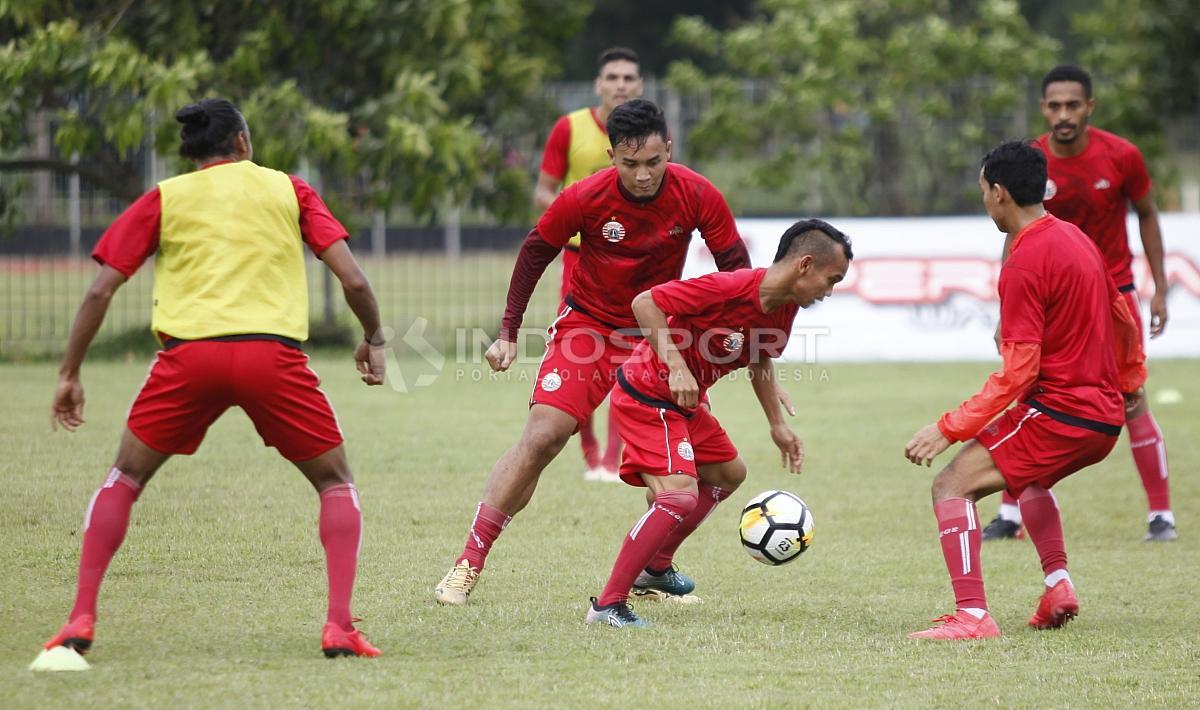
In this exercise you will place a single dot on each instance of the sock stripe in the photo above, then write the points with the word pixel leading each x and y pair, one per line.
pixel 637 527
pixel 965 547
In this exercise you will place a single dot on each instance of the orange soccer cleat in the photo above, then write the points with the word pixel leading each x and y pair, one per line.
pixel 1057 606
pixel 959 626
pixel 336 642
pixel 76 634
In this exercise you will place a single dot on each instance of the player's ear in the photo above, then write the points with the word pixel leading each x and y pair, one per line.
pixel 1091 106
pixel 669 143
pixel 612 156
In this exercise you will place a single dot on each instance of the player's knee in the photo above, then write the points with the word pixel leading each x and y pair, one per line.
pixel 945 485
pixel 730 475
pixel 545 441
pixel 682 500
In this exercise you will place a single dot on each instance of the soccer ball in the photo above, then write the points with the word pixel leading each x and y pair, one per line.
pixel 776 527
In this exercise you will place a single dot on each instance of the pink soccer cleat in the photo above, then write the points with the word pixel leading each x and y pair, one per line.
pixel 1057 606
pixel 959 626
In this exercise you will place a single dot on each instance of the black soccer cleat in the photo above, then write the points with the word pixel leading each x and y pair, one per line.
pixel 1160 530
pixel 1001 529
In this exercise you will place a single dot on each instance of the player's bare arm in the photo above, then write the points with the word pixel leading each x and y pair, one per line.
pixel 67 408
pixel 1152 245
pixel 369 356
pixel 769 393
pixel 546 190
pixel 653 323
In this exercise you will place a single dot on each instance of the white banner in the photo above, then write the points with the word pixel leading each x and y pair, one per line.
pixel 924 288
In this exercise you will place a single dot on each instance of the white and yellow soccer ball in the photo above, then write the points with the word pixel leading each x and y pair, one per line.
pixel 776 527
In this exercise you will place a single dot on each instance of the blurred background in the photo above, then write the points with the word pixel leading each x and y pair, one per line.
pixel 422 122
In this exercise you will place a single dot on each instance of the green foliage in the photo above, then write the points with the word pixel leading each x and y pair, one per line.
pixel 394 102
pixel 1145 59
pixel 863 107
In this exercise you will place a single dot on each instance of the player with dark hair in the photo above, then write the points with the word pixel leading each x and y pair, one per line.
pixel 1093 176
pixel 635 220
pixel 675 447
pixel 578 147
pixel 231 312
pixel 1070 348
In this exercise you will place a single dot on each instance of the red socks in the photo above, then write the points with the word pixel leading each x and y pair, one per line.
pixel 489 522
pixel 710 496
pixel 669 510
pixel 1150 457
pixel 958 526
pixel 341 535
pixel 1040 513
pixel 612 451
pixel 589 444
pixel 104 527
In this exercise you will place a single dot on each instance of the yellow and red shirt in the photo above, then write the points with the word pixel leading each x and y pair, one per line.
pixel 228 240
pixel 576 148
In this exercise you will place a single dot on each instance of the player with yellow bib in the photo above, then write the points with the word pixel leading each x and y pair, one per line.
pixel 577 147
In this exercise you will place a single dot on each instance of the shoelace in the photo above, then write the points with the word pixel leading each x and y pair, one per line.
pixel 943 619
pixel 462 579
pixel 625 614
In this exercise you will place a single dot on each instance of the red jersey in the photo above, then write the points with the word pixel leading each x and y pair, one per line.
pixel 1055 291
pixel 718 325
pixel 627 245
pixel 1092 191
pixel 133 236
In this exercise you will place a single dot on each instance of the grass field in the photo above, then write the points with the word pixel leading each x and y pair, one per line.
pixel 217 597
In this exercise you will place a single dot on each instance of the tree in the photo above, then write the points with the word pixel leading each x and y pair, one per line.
pixel 399 102
pixel 864 106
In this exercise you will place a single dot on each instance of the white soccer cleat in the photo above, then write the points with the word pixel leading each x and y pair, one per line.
pixel 456 586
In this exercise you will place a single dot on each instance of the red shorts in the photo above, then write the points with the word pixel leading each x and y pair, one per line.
pixel 1029 447
pixel 580 364
pixel 193 383
pixel 660 441
pixel 570 257
pixel 1135 310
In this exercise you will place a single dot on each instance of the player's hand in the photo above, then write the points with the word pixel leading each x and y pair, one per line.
pixel 501 354
pixel 785 400
pixel 791 447
pixel 1158 314
pixel 996 337
pixel 925 445
pixel 371 361
pixel 67 408
pixel 684 388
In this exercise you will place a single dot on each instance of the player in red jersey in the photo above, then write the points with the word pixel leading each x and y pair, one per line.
pixel 674 446
pixel 231 307
pixel 1093 176
pixel 636 220
pixel 1070 349
pixel 577 148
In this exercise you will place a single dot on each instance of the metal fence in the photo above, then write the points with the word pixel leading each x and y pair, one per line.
pixel 453 276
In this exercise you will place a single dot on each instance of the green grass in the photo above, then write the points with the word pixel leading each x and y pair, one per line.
pixel 218 595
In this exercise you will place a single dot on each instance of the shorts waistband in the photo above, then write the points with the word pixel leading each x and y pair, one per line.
pixel 631 331
pixel 647 399
pixel 1126 288
pixel 169 343
pixel 1072 420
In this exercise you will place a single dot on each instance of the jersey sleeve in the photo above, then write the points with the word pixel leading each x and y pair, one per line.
pixel 1022 309
pixel 1137 180
pixel 563 219
pixel 133 236
pixel 1020 369
pixel 554 156
pixel 716 220
pixel 691 296
pixel 319 228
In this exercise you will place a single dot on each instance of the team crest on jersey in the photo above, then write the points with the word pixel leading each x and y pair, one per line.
pixel 1051 190
pixel 733 342
pixel 614 231
pixel 551 381
pixel 685 451
pixel 676 231
pixel 1102 184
